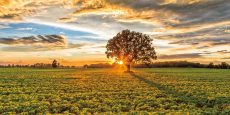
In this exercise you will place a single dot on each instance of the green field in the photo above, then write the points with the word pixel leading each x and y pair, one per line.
pixel 97 91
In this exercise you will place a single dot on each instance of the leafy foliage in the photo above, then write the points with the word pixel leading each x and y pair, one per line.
pixel 104 91
pixel 55 64
pixel 130 46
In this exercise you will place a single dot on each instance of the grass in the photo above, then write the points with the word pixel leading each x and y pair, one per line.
pixel 96 91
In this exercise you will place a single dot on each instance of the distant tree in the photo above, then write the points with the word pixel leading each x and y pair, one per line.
pixel 211 65
pixel 131 47
pixel 8 65
pixel 55 64
pixel 224 65
pixel 85 66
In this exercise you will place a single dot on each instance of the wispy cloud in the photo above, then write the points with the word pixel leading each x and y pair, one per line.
pixel 23 29
pixel 4 26
pixel 31 40
pixel 170 13
pixel 38 43
pixel 181 56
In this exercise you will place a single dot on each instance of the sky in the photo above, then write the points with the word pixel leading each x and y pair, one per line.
pixel 75 32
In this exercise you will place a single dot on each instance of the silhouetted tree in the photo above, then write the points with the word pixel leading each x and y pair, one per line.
pixel 173 64
pixel 55 64
pixel 130 46
pixel 224 65
pixel 85 66
pixel 211 65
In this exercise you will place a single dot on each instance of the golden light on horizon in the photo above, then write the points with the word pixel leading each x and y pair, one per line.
pixel 120 62
pixel 112 61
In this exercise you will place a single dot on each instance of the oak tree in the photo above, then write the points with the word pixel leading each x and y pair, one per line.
pixel 55 64
pixel 131 47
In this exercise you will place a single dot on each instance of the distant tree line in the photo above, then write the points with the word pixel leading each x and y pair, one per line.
pixel 54 64
pixel 184 64
pixel 99 65
pixel 223 65
pixel 37 65
pixel 172 64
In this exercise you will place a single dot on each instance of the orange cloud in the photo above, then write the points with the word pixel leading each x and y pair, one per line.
pixel 4 3
pixel 183 2
pixel 16 10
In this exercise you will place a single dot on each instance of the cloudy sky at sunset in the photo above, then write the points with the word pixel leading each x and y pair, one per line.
pixel 75 32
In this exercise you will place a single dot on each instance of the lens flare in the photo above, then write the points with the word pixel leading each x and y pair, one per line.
pixel 120 62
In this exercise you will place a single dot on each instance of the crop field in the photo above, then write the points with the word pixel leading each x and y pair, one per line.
pixel 109 91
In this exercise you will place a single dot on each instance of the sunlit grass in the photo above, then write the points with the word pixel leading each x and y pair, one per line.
pixel 93 91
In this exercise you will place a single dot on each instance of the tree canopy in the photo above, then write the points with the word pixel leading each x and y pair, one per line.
pixel 131 47
pixel 55 64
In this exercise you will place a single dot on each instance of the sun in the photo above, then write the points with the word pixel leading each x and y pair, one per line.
pixel 112 61
pixel 120 62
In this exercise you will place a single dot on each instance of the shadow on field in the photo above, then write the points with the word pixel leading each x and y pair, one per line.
pixel 185 97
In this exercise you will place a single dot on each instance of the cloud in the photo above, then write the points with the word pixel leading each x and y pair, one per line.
pixel 11 11
pixel 23 29
pixel 201 39
pixel 210 41
pixel 4 26
pixel 220 52
pixel 226 58
pixel 223 52
pixel 181 56
pixel 100 24
pixel 17 10
pixel 38 43
pixel 74 45
pixel 117 8
pixel 190 26
pixel 38 48
pixel 172 13
pixel 31 40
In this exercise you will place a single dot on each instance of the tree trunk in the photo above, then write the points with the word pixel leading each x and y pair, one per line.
pixel 128 67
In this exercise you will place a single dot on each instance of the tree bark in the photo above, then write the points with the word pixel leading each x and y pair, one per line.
pixel 128 67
